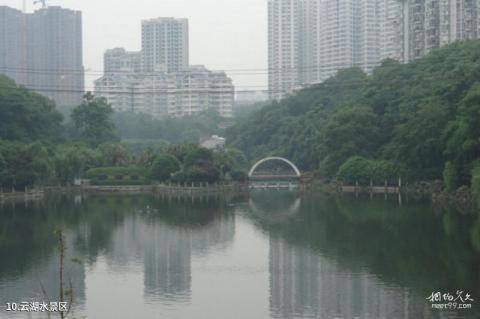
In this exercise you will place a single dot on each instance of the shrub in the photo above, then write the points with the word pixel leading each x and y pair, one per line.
pixel 198 156
pixel 239 176
pixel 476 181
pixel 127 175
pixel 363 170
pixel 164 166
pixel 197 174
pixel 355 169
pixel 450 177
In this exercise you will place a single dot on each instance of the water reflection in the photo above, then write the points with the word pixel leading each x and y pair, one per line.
pixel 161 235
pixel 350 258
pixel 306 257
pixel 305 285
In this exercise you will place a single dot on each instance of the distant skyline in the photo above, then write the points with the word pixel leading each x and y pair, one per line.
pixel 226 35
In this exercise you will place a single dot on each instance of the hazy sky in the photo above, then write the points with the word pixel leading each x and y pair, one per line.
pixel 224 34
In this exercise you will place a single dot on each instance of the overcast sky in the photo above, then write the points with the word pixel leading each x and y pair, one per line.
pixel 224 34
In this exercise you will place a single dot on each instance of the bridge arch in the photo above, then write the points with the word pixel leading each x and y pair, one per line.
pixel 273 158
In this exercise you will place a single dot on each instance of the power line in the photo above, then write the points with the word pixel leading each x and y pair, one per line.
pixel 132 92
pixel 251 71
pixel 90 72
pixel 93 72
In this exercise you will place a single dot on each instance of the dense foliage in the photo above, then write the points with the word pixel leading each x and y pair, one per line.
pixel 164 167
pixel 26 165
pixel 418 116
pixel 124 175
pixel 22 165
pixel 362 170
pixel 92 121
pixel 476 181
pixel 174 130
pixel 25 115
pixel 37 149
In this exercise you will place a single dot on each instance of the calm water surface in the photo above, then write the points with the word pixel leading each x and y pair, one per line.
pixel 268 255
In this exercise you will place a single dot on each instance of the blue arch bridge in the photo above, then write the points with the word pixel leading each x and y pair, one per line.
pixel 293 180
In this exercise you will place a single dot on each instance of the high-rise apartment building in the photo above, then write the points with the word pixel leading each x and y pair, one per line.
pixel 119 60
pixel 165 44
pixel 338 36
pixel 13 37
pixel 43 51
pixel 158 80
pixel 285 47
pixel 55 47
pixel 199 89
pixel 176 94
pixel 429 24
pixel 310 40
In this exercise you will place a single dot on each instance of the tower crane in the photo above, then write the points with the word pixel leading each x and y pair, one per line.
pixel 43 2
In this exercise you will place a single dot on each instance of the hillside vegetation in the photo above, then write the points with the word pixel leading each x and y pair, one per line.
pixel 37 148
pixel 409 119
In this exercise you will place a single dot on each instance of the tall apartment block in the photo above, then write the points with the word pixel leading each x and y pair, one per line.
pixel 13 41
pixel 43 51
pixel 429 24
pixel 165 44
pixel 158 80
pixel 285 47
pixel 310 40
pixel 175 94
pixel 119 60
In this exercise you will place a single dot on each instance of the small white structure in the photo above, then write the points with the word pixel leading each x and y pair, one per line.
pixel 215 142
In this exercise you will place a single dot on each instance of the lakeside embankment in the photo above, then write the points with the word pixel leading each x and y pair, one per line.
pixel 169 189
pixel 462 199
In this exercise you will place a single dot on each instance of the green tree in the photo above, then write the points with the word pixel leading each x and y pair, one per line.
pixel 417 115
pixel 476 181
pixel 164 166
pixel 463 134
pixel 180 151
pixel 198 156
pixel 350 132
pixel 186 129
pixel 114 154
pixel 450 177
pixel 206 173
pixel 72 161
pixel 25 165
pixel 92 121
pixel 27 116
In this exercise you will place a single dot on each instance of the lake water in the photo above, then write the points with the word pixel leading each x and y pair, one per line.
pixel 267 255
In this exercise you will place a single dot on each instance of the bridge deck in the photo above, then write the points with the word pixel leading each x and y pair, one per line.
pixel 274 177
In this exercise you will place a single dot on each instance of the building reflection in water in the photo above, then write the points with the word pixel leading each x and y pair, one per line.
pixel 156 236
pixel 163 241
pixel 304 284
pixel 167 262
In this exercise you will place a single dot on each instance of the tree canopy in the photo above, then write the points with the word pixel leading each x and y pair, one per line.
pixel 27 116
pixel 418 116
pixel 92 121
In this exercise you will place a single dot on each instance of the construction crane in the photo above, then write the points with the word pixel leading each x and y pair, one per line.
pixel 43 2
